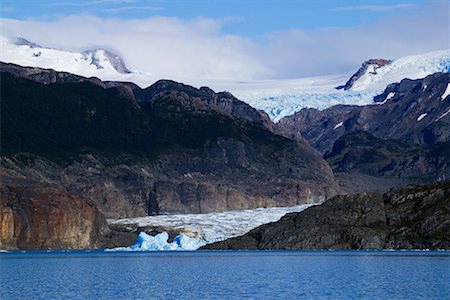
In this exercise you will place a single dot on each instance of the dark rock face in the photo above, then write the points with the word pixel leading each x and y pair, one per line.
pixel 398 118
pixel 361 152
pixel 168 148
pixel 222 102
pixel 411 218
pixel 46 217
pixel 373 63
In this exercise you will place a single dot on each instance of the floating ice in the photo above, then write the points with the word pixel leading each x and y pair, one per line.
pixel 159 242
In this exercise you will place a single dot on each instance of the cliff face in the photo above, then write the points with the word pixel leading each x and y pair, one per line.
pixel 45 217
pixel 412 218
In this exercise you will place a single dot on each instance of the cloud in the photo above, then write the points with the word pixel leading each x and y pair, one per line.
pixel 375 8
pixel 126 9
pixel 331 50
pixel 91 3
pixel 175 48
pixel 7 9
pixel 168 47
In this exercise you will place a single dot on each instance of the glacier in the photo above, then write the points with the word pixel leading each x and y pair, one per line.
pixel 197 230
pixel 280 98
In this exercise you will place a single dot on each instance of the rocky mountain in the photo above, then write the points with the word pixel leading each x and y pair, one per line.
pixel 404 138
pixel 278 98
pixel 410 218
pixel 412 111
pixel 134 152
pixel 369 67
pixel 361 152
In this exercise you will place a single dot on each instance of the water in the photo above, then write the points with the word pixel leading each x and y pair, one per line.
pixel 225 275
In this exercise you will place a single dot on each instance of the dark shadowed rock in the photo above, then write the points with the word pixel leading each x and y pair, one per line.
pixel 410 218
pixel 361 152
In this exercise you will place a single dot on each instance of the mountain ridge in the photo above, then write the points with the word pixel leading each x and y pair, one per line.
pixel 278 98
pixel 180 150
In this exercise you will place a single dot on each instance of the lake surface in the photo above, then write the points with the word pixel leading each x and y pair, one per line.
pixel 226 275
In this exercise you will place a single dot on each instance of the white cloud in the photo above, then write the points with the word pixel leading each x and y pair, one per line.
pixel 118 10
pixel 90 3
pixel 331 50
pixel 175 48
pixel 375 8
pixel 168 47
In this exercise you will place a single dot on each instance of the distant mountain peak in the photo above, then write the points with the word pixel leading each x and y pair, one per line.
pixel 97 55
pixel 368 67
pixel 20 41
pixel 86 63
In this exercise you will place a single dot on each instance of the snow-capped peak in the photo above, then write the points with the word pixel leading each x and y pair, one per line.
pixel 412 67
pixel 278 98
pixel 99 62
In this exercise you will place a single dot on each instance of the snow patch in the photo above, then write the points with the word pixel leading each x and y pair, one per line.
pixel 421 117
pixel 443 115
pixel 446 93
pixel 338 125
pixel 389 96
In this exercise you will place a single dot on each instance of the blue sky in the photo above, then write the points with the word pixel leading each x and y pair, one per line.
pixel 250 18
pixel 239 39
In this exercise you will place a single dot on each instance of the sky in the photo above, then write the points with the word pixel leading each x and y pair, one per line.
pixel 235 39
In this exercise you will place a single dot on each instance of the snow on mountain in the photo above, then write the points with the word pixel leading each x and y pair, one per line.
pixel 412 67
pixel 197 230
pixel 98 62
pixel 279 98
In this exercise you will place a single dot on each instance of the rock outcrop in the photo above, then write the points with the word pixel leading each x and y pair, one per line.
pixel 410 218
pixel 371 66
pixel 46 217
